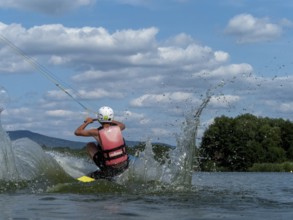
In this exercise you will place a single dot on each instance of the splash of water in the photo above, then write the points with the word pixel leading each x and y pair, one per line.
pixel 186 145
pixel 33 162
pixel 8 170
pixel 176 171
pixel 73 165
pixel 25 160
pixel 4 98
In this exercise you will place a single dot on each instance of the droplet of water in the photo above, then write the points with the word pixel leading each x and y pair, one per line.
pixel 4 98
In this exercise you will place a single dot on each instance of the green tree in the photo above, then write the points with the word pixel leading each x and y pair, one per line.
pixel 287 138
pixel 236 144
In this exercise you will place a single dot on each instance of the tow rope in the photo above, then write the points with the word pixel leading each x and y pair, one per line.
pixel 40 68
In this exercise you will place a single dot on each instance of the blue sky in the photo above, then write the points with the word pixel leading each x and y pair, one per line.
pixel 151 61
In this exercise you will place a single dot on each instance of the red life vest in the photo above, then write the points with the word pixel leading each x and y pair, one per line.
pixel 112 145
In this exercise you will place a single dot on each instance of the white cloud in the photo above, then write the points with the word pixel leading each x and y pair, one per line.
pixel 93 46
pixel 56 37
pixel 162 79
pixel 249 29
pixel 286 107
pixel 100 51
pixel 19 111
pixel 46 6
pixel 180 40
pixel 191 56
pixel 58 60
pixel 227 72
pixel 158 99
pixel 147 3
pixel 279 105
pixel 221 56
pixel 160 133
pixel 60 113
pixel 137 117
pixel 99 93
pixel 286 22
pixel 224 100
pixel 94 94
pixel 135 2
pixel 57 95
pixel 99 76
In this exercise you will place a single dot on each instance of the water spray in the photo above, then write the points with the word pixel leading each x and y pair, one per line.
pixel 4 99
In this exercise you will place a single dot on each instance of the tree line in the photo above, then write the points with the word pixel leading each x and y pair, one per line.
pixel 236 144
pixel 243 143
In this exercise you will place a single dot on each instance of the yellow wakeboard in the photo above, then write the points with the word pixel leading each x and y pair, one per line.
pixel 85 179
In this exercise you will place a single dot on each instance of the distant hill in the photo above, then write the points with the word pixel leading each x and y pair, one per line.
pixel 45 140
pixel 51 141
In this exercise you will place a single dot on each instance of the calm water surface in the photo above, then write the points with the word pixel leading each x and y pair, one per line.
pixel 213 196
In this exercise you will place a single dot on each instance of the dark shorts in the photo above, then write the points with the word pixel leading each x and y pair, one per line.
pixel 99 159
pixel 107 171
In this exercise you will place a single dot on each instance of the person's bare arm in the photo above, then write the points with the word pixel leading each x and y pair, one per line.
pixel 81 131
pixel 118 123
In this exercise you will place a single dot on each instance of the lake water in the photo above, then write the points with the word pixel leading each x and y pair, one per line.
pixel 212 196
pixel 38 184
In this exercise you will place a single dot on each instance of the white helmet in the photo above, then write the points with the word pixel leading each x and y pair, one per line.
pixel 105 114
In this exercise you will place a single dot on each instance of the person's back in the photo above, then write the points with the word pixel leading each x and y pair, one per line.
pixel 110 152
pixel 112 145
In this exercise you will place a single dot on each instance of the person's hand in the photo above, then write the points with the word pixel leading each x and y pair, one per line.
pixel 89 120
